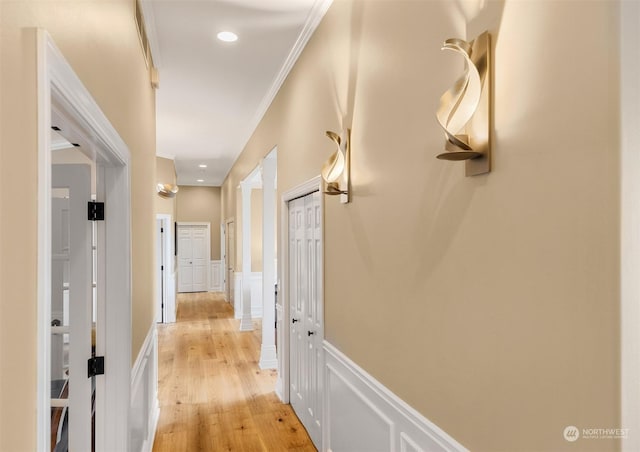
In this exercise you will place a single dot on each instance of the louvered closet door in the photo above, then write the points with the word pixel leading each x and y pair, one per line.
pixel 306 308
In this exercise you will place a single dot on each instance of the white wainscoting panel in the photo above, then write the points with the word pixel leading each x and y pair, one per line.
pixel 145 410
pixel 256 295
pixel 216 279
pixel 363 415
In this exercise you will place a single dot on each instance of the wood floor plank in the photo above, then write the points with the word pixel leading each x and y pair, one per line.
pixel 213 395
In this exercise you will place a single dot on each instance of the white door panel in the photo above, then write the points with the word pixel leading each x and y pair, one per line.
pixel 307 330
pixel 193 258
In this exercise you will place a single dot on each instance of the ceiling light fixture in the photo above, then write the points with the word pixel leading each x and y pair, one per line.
pixel 200 180
pixel 227 36
pixel 202 165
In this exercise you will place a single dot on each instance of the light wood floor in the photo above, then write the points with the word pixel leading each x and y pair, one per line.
pixel 213 396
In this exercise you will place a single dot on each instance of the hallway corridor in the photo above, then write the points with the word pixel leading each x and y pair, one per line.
pixel 212 394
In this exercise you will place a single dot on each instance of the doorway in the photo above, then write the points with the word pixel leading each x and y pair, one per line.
pixel 165 275
pixel 193 256
pixel 230 260
pixel 300 311
pixel 98 396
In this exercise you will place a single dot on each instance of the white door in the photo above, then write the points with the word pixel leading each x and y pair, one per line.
pixel 200 257
pixel 231 260
pixel 160 269
pixel 306 308
pixel 72 273
pixel 193 258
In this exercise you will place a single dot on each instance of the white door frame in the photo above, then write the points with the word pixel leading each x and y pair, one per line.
pixel 62 95
pixel 223 254
pixel 208 250
pixel 630 223
pixel 283 304
pixel 229 283
pixel 168 274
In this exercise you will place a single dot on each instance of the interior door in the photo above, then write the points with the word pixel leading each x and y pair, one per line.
pixel 306 309
pixel 199 248
pixel 231 259
pixel 297 292
pixel 160 269
pixel 185 260
pixel 72 274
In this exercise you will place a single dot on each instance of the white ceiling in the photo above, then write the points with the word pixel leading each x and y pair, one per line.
pixel 213 94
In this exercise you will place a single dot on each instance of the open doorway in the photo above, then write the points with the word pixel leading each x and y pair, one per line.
pixel 165 273
pixel 77 337
pixel 300 308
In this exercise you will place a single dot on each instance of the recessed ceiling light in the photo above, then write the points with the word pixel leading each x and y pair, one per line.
pixel 200 180
pixel 202 166
pixel 227 36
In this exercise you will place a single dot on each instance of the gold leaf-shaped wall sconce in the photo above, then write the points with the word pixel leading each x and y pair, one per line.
pixel 336 170
pixel 464 112
pixel 167 190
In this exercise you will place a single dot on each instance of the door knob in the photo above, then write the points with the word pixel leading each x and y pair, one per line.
pixel 295 320
pixel 309 333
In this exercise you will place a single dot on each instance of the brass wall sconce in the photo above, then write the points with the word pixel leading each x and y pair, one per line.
pixel 464 111
pixel 167 190
pixel 336 171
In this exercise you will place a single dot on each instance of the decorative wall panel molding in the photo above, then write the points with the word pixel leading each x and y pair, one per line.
pixel 144 410
pixel 256 295
pixel 216 278
pixel 362 414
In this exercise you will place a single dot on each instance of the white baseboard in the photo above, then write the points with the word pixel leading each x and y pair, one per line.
pixel 144 408
pixel 268 357
pixel 362 414
pixel 256 295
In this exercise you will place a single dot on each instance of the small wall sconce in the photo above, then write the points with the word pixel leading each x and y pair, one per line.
pixel 336 171
pixel 167 190
pixel 464 111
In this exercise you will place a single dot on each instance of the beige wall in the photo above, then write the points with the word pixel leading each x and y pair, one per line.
pixel 165 174
pixel 100 41
pixel 501 291
pixel 201 204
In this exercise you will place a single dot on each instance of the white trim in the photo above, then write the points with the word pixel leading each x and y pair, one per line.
pixel 310 186
pixel 44 244
pixel 145 408
pixel 368 401
pixel 255 288
pixel 630 223
pixel 268 357
pixel 62 95
pixel 246 188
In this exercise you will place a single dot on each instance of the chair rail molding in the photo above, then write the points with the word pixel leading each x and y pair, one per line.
pixel 376 416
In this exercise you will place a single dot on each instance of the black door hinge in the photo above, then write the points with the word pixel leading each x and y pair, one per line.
pixel 162 267
pixel 95 366
pixel 162 230
pixel 96 211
